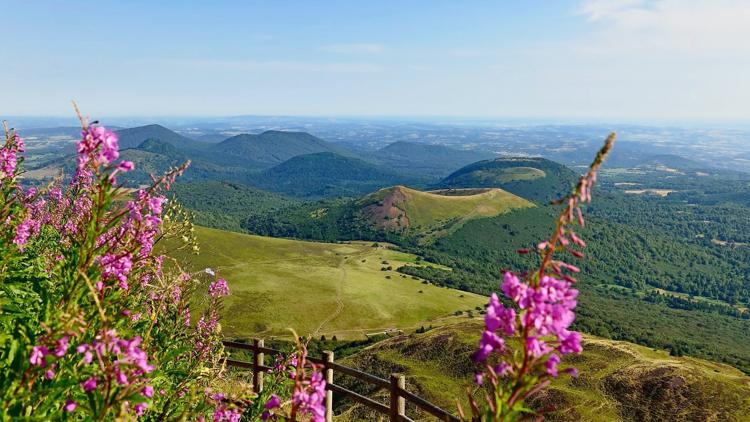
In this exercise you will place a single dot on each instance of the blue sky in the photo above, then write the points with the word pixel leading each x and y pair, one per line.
pixel 623 59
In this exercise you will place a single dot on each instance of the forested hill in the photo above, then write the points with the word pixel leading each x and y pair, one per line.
pixel 274 147
pixel 537 179
pixel 133 137
pixel 327 174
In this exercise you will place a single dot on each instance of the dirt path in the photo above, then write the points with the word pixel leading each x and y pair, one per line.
pixel 339 302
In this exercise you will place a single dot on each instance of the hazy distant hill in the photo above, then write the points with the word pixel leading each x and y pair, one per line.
pixel 133 137
pixel 427 159
pixel 273 147
pixel 533 178
pixel 326 174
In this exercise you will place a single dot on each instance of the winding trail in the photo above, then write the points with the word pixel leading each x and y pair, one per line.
pixel 339 301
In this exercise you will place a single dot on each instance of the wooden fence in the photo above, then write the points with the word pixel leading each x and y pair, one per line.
pixel 396 410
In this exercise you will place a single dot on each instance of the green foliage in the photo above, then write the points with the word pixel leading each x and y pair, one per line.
pixel 537 179
pixel 224 205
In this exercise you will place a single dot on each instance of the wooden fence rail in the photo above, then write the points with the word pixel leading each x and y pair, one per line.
pixel 396 385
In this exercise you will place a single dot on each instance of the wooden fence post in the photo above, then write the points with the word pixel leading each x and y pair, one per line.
pixel 398 403
pixel 257 365
pixel 328 357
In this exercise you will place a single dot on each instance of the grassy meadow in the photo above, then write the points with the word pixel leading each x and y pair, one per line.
pixel 618 380
pixel 320 288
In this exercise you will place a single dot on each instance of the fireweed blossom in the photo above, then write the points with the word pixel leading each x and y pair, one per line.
pixel 541 308
pixel 83 349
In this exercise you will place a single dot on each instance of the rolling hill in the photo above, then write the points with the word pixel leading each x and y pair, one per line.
pixel 224 205
pixel 537 179
pixel 133 137
pixel 618 381
pixel 319 289
pixel 402 208
pixel 427 159
pixel 273 147
pixel 327 174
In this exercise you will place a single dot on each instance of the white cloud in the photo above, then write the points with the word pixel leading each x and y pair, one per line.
pixel 689 27
pixel 353 48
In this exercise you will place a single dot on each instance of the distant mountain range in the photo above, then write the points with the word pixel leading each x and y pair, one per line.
pixel 300 165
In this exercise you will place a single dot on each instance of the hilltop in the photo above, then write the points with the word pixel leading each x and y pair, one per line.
pixel 618 381
pixel 135 136
pixel 402 208
pixel 533 178
pixel 273 147
pixel 326 174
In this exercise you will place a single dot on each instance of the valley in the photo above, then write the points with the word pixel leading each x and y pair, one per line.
pixel 345 245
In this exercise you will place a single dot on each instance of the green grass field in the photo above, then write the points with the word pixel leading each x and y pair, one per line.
pixel 319 288
pixel 426 209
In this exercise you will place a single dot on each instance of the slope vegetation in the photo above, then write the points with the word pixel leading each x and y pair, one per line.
pixel 537 179
pixel 319 289
pixel 618 381
pixel 273 147
pixel 133 137
pixel 400 207
pixel 326 174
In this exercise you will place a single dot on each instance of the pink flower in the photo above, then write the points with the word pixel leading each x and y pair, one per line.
pixel 536 346
pixel 273 402
pixel 89 385
pixel 126 166
pixel 140 408
pixel 218 288
pixel 311 396
pixel 489 343
pixel 551 364
pixel 148 391
pixel 62 346
pixel 70 406
pixel 23 231
pixel 121 378
pixel 37 356
pixel 499 317
pixel 98 146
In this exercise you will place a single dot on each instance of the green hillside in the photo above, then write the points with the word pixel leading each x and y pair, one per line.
pixel 273 147
pixel 133 137
pixel 224 205
pixel 320 288
pixel 537 179
pixel 400 207
pixel 326 174
pixel 618 381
